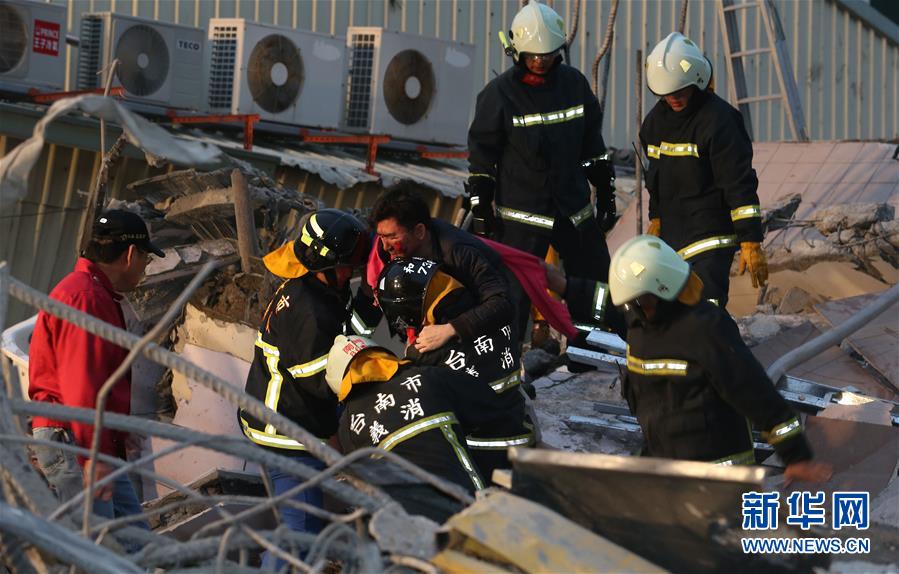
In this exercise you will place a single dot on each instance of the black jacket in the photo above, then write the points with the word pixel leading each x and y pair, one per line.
pixel 288 369
pixel 492 359
pixel 693 383
pixel 701 182
pixel 422 414
pixel 534 140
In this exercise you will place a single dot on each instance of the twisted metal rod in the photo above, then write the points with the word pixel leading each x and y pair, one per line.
pixel 606 44
pixel 371 496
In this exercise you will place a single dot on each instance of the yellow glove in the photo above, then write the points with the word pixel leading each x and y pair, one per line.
pixel 655 227
pixel 753 258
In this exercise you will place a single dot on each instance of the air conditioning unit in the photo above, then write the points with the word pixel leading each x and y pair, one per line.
pixel 409 87
pixel 285 75
pixel 32 46
pixel 160 64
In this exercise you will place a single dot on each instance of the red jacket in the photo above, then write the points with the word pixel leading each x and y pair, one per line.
pixel 68 365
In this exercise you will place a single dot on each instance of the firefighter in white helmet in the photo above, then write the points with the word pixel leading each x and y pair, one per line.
pixel 703 197
pixel 534 144
pixel 691 381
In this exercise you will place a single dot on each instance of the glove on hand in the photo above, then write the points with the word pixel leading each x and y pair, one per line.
pixel 752 257
pixel 480 192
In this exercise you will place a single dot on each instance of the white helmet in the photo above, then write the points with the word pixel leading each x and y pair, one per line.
pixel 536 29
pixel 341 354
pixel 675 63
pixel 646 264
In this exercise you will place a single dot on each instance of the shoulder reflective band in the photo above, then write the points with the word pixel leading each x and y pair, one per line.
pixel 585 213
pixel 525 217
pixel 673 150
pixel 500 443
pixel 273 390
pixel 747 457
pixel 783 431
pixel 599 300
pixel 359 326
pixel 745 212
pixel 506 383
pixel 308 369
pixel 270 438
pixel 707 245
pixel 548 118
pixel 657 367
pixel 416 428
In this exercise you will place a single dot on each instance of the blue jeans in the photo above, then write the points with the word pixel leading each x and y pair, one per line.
pixel 294 518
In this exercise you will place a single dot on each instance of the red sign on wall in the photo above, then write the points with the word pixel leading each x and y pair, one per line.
pixel 46 38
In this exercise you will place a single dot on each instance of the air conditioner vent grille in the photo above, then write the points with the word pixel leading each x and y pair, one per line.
pixel 13 40
pixel 221 74
pixel 362 57
pixel 90 51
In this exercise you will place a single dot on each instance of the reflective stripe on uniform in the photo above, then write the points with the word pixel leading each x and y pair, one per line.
pixel 525 217
pixel 673 150
pixel 500 443
pixel 475 201
pixel 359 326
pixel 273 389
pixel 418 427
pixel 444 421
pixel 270 438
pixel 487 175
pixel 783 431
pixel 585 213
pixel 745 212
pixel 658 367
pixel 707 245
pixel 584 327
pixel 505 383
pixel 308 369
pixel 462 454
pixel 747 457
pixel 548 118
pixel 604 157
pixel 599 300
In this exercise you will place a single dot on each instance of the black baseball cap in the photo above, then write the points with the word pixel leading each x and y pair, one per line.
pixel 119 226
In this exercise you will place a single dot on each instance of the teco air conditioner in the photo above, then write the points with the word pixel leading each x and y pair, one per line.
pixel 284 75
pixel 160 64
pixel 409 87
pixel 32 46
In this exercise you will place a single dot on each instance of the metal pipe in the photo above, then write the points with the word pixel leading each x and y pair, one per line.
pixel 639 164
pixel 804 352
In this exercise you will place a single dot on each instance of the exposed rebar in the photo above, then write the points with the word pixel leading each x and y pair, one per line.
pixel 606 45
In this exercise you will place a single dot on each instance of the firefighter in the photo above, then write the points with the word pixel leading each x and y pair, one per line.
pixel 703 197
pixel 419 412
pixel 691 381
pixel 405 229
pixel 298 327
pixel 534 144
pixel 414 293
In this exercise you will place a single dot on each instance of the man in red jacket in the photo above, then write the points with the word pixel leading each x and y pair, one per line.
pixel 68 365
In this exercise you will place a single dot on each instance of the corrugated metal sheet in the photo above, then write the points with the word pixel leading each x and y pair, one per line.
pixel 847 71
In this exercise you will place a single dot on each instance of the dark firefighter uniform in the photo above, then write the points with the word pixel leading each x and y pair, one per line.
pixel 423 414
pixel 288 369
pixel 476 266
pixel 492 359
pixel 693 383
pixel 529 144
pixel 702 186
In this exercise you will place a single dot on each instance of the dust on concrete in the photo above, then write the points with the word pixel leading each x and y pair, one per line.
pixel 235 297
